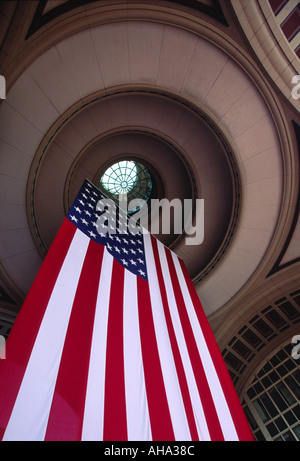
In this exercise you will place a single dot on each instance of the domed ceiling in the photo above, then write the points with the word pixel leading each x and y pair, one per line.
pixel 168 92
pixel 185 156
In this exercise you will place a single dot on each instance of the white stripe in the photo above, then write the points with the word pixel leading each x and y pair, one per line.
pixel 174 397
pixel 200 419
pixel 219 399
pixel 92 429
pixel 30 414
pixel 138 421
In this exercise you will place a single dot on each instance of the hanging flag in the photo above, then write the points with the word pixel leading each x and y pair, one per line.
pixel 112 343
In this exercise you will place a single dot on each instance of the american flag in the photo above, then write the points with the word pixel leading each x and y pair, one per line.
pixel 112 343
pixel 121 235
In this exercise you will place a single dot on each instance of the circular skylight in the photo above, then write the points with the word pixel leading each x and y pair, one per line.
pixel 120 178
pixel 127 177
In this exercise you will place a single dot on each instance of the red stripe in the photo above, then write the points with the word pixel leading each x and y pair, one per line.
pixel 199 373
pixel 175 349
pixel 160 419
pixel 67 410
pixel 23 334
pixel 236 410
pixel 115 426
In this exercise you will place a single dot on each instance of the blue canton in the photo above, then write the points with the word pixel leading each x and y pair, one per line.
pixel 126 245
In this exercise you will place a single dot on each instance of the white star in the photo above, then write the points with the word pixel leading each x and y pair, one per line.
pixel 141 272
pixel 117 249
pixel 124 262
pixel 140 261
pixel 73 218
pixel 77 209
pixel 87 212
pixel 125 251
pixel 92 234
pixel 133 262
pixel 84 221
